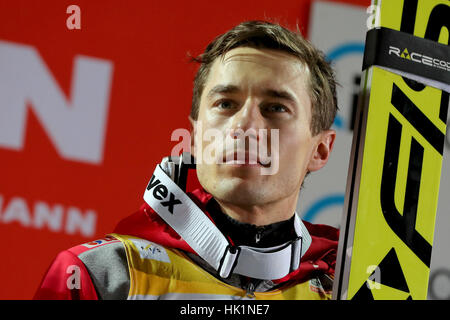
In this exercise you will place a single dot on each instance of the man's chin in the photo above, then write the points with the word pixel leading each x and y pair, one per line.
pixel 242 171
pixel 239 191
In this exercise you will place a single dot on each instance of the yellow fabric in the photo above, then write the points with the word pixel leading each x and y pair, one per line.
pixel 157 272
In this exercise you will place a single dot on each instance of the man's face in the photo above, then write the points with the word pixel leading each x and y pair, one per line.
pixel 246 91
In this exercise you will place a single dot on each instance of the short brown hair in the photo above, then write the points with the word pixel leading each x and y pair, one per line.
pixel 266 35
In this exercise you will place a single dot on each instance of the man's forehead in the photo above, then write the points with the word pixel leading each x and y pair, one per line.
pixel 265 57
pixel 273 69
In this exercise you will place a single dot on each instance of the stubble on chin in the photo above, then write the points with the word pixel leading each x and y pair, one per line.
pixel 239 192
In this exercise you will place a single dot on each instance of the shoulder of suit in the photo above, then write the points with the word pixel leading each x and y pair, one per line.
pixel 94 245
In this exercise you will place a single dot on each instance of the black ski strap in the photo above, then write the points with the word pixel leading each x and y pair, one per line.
pixel 401 51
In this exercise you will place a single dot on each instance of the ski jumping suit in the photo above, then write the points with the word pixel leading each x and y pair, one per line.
pixel 145 259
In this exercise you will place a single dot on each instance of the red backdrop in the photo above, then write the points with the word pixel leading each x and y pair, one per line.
pixel 49 200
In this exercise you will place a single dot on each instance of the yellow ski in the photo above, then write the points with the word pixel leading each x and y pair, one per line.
pixel 391 201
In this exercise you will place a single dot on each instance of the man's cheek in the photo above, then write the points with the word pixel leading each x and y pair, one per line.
pixel 203 175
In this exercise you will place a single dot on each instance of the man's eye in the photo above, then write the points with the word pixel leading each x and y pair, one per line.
pixel 276 108
pixel 225 104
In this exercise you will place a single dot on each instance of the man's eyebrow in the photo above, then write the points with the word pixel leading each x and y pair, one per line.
pixel 220 88
pixel 279 94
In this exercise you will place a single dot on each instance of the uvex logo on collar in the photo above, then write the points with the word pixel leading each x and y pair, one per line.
pixel 160 192
pixel 200 233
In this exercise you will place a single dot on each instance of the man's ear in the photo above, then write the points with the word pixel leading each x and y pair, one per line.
pixel 193 129
pixel 323 150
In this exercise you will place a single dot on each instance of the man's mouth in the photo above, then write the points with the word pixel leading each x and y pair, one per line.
pixel 245 158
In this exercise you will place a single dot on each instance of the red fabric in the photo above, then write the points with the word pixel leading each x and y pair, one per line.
pixel 59 283
pixel 146 224
pixel 320 257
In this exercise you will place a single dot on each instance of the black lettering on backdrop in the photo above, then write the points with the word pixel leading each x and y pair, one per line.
pixel 355 96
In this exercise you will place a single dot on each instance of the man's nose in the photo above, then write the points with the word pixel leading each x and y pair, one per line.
pixel 248 118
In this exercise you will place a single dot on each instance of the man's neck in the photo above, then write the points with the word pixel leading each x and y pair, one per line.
pixel 260 215
pixel 248 234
